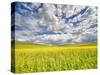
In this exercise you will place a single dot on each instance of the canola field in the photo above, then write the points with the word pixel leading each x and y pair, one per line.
pixel 31 57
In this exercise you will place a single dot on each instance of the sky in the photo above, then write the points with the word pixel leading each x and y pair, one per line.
pixel 54 24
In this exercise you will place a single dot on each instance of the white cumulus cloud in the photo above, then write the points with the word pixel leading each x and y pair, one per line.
pixel 56 24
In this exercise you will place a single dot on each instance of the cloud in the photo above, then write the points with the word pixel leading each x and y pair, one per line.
pixel 55 24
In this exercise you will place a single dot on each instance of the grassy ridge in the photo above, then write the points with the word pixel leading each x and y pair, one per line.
pixel 31 57
pixel 29 44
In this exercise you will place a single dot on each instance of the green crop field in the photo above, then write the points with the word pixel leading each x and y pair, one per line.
pixel 31 57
